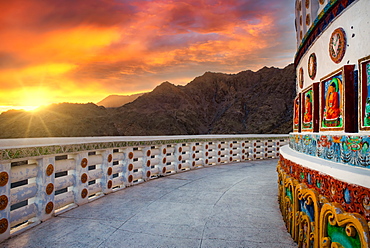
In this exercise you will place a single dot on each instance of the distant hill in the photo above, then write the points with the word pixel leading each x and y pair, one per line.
pixel 114 101
pixel 214 103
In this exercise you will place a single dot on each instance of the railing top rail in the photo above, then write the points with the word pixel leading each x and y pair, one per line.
pixel 57 141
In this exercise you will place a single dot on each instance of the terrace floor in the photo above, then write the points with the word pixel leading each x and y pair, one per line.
pixel 233 205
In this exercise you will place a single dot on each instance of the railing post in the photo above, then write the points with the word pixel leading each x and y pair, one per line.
pixel 107 169
pixel 81 173
pixel 5 200
pixel 45 188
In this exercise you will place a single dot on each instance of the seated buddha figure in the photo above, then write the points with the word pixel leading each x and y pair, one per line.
pixel 307 117
pixel 332 110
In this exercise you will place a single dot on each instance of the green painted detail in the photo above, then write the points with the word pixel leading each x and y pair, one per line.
pixel 288 193
pixel 302 175
pixel 338 234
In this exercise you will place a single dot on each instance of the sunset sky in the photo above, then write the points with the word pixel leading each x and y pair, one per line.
pixel 84 50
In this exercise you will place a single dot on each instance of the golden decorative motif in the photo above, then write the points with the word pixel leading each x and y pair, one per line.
pixel 207 147
pixel 49 188
pixel 300 22
pixel 164 160
pixel 109 171
pixel 194 148
pixel 219 146
pixel 49 170
pixel 3 225
pixel 84 178
pixel 130 167
pixel 300 78
pixel 110 158
pixel 84 193
pixel 164 169
pixel 130 178
pixel 193 164
pixel 148 163
pixel 109 184
pixel 4 178
pixel 321 1
pixel 84 162
pixel 179 166
pixel 49 207
pixel 180 149
pixel 164 151
pixel 180 158
pixel 148 153
pixel 3 202
pixel 131 155
pixel 337 45
pixel 148 174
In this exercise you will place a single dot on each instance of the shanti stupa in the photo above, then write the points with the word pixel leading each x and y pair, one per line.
pixel 324 174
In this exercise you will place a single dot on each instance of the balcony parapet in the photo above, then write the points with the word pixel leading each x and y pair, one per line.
pixel 43 177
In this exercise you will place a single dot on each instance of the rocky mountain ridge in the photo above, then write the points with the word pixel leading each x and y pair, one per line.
pixel 214 103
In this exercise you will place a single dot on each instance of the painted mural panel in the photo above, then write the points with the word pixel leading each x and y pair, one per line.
pixel 332 103
pixel 307 109
pixel 365 93
pixel 296 114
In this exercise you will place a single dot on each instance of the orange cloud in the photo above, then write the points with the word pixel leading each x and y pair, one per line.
pixel 83 50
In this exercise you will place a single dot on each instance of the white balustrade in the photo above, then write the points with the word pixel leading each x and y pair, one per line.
pixel 34 187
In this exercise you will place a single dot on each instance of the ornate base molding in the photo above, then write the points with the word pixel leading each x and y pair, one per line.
pixel 320 211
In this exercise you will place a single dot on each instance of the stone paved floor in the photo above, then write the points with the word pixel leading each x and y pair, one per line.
pixel 231 205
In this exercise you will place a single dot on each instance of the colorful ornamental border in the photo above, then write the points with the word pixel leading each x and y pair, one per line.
pixel 346 149
pixel 333 9
pixel 17 153
pixel 352 198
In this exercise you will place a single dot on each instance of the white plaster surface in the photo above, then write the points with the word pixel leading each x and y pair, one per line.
pixel 342 172
pixel 233 205
pixel 36 142
pixel 355 21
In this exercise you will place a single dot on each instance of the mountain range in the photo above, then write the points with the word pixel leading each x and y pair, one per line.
pixel 214 103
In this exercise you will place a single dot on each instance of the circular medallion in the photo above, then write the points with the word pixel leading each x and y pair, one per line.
pixel 164 160
pixel 148 153
pixel 131 155
pixel 110 171
pixel 49 207
pixel 180 158
pixel 300 78
pixel 164 151
pixel 130 167
pixel 194 148
pixel 49 170
pixel 300 20
pixel 148 163
pixel 148 174
pixel 49 188
pixel 84 193
pixel 337 45
pixel 84 178
pixel 312 66
pixel 130 178
pixel 308 20
pixel 3 202
pixel 180 149
pixel 193 164
pixel 110 158
pixel 4 178
pixel 109 184
pixel 3 225
pixel 84 162
pixel 179 166
pixel 307 3
pixel 164 169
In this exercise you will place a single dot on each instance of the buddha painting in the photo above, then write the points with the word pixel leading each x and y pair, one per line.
pixel 332 115
pixel 296 114
pixel 307 114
